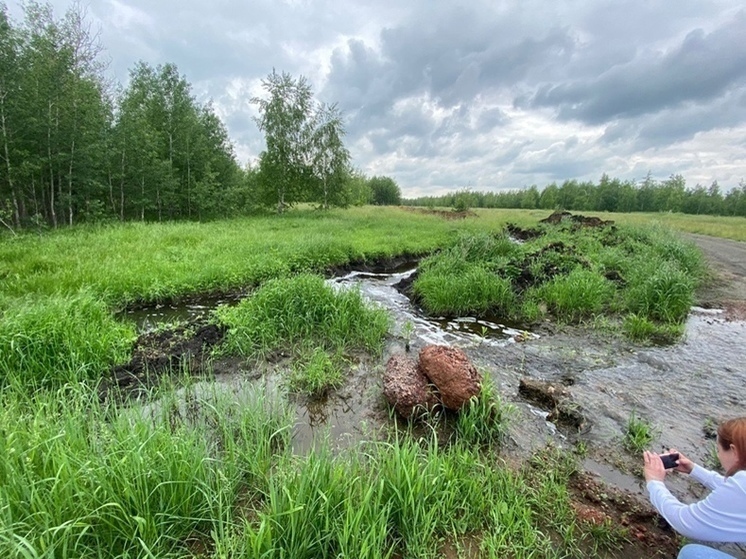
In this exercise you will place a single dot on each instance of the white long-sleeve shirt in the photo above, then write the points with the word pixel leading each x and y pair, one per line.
pixel 720 517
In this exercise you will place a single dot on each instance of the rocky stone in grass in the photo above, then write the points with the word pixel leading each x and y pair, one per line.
pixel 406 388
pixel 450 370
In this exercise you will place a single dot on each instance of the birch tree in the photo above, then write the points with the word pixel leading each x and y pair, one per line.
pixel 330 158
pixel 286 118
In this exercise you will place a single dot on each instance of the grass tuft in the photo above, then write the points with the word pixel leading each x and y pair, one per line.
pixel 484 420
pixel 302 310
pixel 580 294
pixel 60 339
pixel 316 371
pixel 638 434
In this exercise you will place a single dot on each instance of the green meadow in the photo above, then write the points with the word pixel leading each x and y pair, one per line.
pixel 82 477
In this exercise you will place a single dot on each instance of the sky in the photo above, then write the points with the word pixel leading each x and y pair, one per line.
pixel 482 95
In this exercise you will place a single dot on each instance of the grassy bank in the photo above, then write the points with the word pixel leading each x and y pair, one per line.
pixel 149 262
pixel 645 276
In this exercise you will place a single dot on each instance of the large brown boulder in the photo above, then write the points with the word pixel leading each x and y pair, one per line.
pixel 455 377
pixel 406 388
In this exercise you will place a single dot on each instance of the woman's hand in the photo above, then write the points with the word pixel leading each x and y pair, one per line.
pixel 653 467
pixel 683 463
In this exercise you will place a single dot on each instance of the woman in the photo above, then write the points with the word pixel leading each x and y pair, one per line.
pixel 721 516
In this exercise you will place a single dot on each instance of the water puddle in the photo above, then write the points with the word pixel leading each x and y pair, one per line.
pixel 613 476
pixel 150 317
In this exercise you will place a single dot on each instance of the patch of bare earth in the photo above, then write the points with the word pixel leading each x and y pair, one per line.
pixel 445 214
pixel 596 504
pixel 726 287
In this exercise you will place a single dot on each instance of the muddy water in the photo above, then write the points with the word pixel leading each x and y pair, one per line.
pixel 678 389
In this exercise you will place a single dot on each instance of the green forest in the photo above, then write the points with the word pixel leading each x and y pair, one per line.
pixel 76 148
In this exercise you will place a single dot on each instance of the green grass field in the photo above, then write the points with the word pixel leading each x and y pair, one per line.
pixel 194 473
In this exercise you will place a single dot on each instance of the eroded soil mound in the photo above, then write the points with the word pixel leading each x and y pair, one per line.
pixel 577 219
pixel 445 214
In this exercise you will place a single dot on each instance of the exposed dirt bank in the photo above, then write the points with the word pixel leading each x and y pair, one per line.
pixel 726 289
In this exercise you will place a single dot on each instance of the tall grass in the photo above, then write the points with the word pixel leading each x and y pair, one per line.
pixel 209 469
pixel 638 434
pixel 404 499
pixel 662 292
pixel 484 420
pixel 60 339
pixel 473 290
pixel 79 481
pixel 293 312
pixel 582 293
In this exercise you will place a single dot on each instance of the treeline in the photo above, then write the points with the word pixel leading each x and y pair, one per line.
pixel 76 148
pixel 610 195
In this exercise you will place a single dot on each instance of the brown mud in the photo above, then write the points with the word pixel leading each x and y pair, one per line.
pixel 682 389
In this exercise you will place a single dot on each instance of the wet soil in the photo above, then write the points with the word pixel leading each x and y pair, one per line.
pixel 682 390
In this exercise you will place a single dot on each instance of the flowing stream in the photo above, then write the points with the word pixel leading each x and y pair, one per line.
pixel 679 389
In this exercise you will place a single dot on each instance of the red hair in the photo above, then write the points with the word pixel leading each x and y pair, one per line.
pixel 733 432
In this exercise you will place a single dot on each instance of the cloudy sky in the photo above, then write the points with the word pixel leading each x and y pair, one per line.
pixel 444 95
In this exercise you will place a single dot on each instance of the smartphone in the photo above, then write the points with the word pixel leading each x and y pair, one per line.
pixel 669 460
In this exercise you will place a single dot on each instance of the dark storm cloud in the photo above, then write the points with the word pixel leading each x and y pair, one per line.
pixel 451 58
pixel 679 123
pixel 701 68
